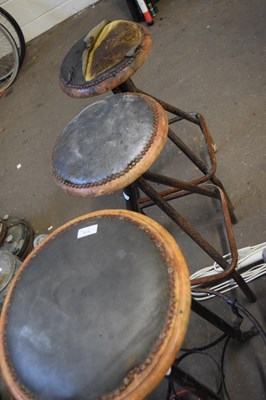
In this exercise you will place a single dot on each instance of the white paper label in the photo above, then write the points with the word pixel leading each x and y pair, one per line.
pixel 88 230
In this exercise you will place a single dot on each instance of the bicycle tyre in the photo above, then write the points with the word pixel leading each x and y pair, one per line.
pixel 9 59
pixel 14 29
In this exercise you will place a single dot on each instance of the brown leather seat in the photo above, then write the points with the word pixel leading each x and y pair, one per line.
pixel 105 58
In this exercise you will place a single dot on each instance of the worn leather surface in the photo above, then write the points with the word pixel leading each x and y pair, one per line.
pixel 110 48
pixel 103 139
pixel 71 68
pixel 114 42
pixel 86 311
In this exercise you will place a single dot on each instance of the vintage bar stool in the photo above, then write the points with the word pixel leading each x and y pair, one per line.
pixel 111 145
pixel 105 60
pixel 99 310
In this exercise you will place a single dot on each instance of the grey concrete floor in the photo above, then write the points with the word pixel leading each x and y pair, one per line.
pixel 207 56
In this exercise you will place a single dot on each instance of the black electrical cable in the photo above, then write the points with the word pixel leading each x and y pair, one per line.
pixel 222 368
pixel 253 320
pixel 207 346
pixel 177 395
pixel 172 393
pixel 169 392
pixel 232 302
pixel 199 350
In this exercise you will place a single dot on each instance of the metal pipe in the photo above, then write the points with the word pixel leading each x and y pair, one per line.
pixel 192 156
pixel 229 270
pixel 215 320
pixel 178 184
pixel 129 86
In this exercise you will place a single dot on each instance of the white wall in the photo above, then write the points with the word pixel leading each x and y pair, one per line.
pixel 37 16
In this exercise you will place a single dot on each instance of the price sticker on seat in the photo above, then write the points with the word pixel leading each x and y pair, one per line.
pixel 88 230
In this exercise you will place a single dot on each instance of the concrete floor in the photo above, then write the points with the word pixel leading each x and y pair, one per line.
pixel 207 56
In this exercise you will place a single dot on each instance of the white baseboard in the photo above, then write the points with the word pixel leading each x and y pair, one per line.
pixel 37 16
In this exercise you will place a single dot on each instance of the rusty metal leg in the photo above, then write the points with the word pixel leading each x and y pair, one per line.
pixel 128 86
pixel 205 190
pixel 117 90
pixel 183 188
pixel 197 119
pixel 209 174
pixel 218 183
pixel 195 235
pixel 131 195
pixel 215 320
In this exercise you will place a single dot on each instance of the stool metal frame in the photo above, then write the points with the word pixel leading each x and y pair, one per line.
pixel 179 188
pixel 156 198
pixel 197 119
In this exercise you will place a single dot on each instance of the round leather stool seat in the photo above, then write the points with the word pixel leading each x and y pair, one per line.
pixel 109 144
pixel 97 311
pixel 105 58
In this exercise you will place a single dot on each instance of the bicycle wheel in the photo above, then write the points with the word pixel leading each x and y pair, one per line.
pixel 9 59
pixel 14 29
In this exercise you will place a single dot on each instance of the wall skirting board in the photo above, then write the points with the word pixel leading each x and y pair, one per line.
pixel 37 16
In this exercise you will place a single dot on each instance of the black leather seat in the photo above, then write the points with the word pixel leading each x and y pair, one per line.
pixel 109 144
pixel 97 311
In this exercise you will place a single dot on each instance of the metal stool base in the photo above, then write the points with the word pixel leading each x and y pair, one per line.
pixel 178 188
pixel 134 203
pixel 197 119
